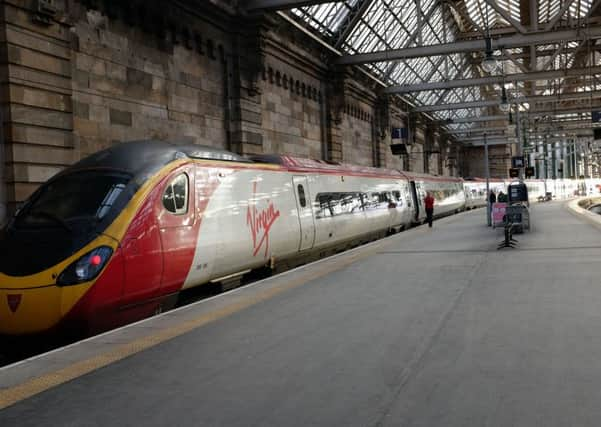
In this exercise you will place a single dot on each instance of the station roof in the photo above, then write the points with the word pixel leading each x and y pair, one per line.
pixel 431 53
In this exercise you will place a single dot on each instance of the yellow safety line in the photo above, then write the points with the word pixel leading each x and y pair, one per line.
pixel 15 394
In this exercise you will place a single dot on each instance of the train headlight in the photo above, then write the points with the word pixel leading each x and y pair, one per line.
pixel 85 268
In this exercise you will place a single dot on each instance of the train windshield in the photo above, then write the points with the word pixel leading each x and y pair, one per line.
pixel 86 196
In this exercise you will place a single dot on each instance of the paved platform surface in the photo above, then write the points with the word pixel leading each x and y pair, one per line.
pixel 428 328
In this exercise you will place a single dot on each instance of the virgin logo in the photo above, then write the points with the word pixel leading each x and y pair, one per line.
pixel 260 221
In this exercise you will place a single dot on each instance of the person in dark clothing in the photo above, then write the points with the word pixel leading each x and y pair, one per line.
pixel 429 203
pixel 502 197
pixel 493 197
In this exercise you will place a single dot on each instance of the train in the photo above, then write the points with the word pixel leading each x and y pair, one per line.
pixel 118 236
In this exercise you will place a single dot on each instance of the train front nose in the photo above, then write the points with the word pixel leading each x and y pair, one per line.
pixel 34 309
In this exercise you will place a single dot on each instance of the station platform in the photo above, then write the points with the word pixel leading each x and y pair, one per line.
pixel 425 328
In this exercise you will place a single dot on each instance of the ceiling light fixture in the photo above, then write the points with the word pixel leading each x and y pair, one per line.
pixel 504 106
pixel 489 63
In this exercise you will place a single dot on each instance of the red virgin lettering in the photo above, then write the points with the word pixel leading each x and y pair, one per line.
pixel 260 223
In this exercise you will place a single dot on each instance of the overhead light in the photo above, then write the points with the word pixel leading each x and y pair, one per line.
pixel 489 64
pixel 504 105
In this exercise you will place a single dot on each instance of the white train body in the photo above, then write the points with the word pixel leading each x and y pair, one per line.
pixel 260 214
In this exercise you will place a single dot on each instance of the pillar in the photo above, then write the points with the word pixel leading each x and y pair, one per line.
pixel 247 65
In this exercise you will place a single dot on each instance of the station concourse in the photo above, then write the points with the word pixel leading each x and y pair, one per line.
pixel 153 150
pixel 427 327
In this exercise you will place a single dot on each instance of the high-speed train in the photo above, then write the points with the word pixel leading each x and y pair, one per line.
pixel 117 236
pixel 475 189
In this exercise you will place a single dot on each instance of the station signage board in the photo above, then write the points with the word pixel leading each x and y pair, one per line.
pixel 398 149
pixel 517 161
pixel 398 133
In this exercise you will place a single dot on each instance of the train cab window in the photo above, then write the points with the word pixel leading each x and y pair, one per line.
pixel 301 196
pixel 175 197
pixel 109 199
pixel 72 198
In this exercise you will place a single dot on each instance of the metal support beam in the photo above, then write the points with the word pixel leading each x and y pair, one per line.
pixel 506 16
pixel 357 13
pixel 483 81
pixel 515 62
pixel 490 142
pixel 551 60
pixel 488 135
pixel 254 5
pixel 473 119
pixel 466 17
pixel 476 142
pixel 537 113
pixel 523 99
pixel 558 15
pixel 478 130
pixel 505 42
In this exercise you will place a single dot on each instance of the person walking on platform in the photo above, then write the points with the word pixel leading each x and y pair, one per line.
pixel 429 203
pixel 502 197
pixel 492 198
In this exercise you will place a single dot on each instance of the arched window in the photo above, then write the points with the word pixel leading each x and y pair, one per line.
pixel 175 197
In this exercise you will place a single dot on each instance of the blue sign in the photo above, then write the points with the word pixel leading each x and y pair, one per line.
pixel 399 133
pixel 596 116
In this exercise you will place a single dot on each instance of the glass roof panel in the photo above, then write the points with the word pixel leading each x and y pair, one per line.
pixel 580 8
pixel 397 24
pixel 326 18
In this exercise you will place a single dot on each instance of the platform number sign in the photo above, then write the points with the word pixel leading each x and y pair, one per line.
pixel 529 172
pixel 514 173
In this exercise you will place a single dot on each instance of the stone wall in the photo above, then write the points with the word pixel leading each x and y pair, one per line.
pixel 130 84
pixel 499 158
pixel 359 143
pixel 292 116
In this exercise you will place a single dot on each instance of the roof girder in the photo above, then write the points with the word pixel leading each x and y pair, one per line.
pixel 507 42
pixel 482 81
pixel 254 5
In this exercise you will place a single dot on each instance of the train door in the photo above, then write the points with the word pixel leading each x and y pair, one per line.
pixel 416 200
pixel 177 225
pixel 142 255
pixel 305 212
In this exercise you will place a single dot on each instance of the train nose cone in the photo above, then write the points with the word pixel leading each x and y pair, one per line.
pixel 13 301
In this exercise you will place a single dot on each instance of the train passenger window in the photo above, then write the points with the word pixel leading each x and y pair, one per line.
pixel 334 204
pixel 301 196
pixel 175 197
